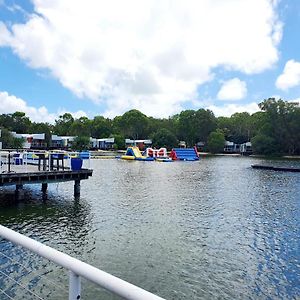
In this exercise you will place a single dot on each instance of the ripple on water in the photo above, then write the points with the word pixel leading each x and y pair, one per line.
pixel 213 229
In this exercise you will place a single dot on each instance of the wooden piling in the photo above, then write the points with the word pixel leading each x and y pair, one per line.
pixel 77 188
pixel 44 187
pixel 19 193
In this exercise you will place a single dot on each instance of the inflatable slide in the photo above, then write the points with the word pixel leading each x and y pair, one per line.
pixel 134 153
pixel 189 154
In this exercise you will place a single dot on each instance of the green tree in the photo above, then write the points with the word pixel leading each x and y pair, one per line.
pixel 119 141
pixel 195 126
pixel 101 127
pixel 241 129
pixel 63 124
pixel 263 144
pixel 17 122
pixel 132 124
pixel 206 122
pixel 259 123
pixel 187 130
pixel 81 143
pixel 9 141
pixel 216 141
pixel 225 124
pixel 164 138
pixel 81 127
pixel 281 124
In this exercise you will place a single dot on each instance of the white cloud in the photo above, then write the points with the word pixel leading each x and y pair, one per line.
pixel 233 89
pixel 5 36
pixel 228 109
pixel 11 104
pixel 150 55
pixel 290 76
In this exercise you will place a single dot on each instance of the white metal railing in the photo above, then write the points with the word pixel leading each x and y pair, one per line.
pixel 79 269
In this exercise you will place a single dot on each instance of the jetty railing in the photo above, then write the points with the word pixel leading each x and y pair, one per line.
pixel 40 158
pixel 78 269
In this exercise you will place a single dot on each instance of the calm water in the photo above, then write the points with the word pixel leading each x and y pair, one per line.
pixel 213 229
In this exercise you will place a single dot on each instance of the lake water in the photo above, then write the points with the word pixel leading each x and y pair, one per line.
pixel 213 229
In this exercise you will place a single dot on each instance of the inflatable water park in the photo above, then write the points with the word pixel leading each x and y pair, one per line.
pixel 160 155
pixel 134 153
pixel 187 154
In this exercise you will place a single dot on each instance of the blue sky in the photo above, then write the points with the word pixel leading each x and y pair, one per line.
pixel 160 57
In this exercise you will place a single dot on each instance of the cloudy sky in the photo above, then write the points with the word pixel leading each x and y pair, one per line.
pixel 97 57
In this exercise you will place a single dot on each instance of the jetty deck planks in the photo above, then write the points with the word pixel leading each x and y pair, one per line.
pixel 20 178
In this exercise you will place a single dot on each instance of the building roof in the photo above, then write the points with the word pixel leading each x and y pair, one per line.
pixel 228 143
pixel 107 140
pixel 35 136
pixel 55 137
pixel 129 141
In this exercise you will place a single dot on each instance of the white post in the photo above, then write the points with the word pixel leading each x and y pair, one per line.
pixel 49 160
pixel 25 160
pixel 69 160
pixel 74 286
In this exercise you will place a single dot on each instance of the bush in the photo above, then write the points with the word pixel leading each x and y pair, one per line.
pixel 216 141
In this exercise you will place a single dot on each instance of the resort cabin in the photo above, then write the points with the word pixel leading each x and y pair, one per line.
pixel 102 144
pixel 141 144
pixel 93 143
pixel 32 141
pixel 106 144
pixel 68 141
pixel 56 142
pixel 61 142
pixel 231 147
pixel 246 148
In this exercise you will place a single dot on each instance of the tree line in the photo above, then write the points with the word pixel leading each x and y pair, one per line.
pixel 275 130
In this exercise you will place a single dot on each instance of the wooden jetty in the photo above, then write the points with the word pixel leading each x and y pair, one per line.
pixel 284 169
pixel 48 168
pixel 44 177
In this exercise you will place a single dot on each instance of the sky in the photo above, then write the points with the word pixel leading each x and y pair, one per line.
pixel 98 57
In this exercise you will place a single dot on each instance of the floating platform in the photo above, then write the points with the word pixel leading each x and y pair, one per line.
pixel 272 168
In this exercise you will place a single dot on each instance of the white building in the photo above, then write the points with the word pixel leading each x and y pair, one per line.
pixel 103 144
pixel 62 141
pixel 35 140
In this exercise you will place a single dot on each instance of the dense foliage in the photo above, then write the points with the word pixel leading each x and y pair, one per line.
pixel 273 130
pixel 215 141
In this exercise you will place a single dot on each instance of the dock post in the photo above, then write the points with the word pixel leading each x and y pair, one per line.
pixel 44 187
pixel 77 187
pixel 19 193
